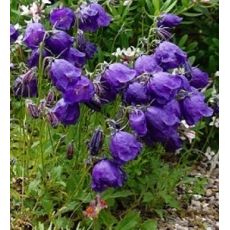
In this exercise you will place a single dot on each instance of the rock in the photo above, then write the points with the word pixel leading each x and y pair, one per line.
pixel 208 192
pixel 196 203
pixel 197 197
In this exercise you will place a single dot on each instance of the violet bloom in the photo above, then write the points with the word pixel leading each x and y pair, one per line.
pixel 161 120
pixel 169 20
pixel 146 64
pixel 199 78
pixel 162 124
pixel 137 122
pixel 34 57
pixel 13 34
pixel 124 147
pixel 81 91
pixel 26 85
pixel 66 113
pixel 164 86
pixel 75 57
pixel 64 74
pixel 107 174
pixel 59 42
pixel 193 107
pixel 104 91
pixel 85 46
pixel 62 18
pixel 169 56
pixel 34 35
pixel 136 93
pixel 118 75
pixel 92 17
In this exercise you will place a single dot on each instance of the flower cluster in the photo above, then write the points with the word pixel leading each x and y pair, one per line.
pixel 162 96
pixel 160 91
pixel 64 54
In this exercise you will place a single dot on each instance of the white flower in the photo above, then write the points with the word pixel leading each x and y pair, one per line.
pixel 214 122
pixel 35 10
pixel 46 2
pixel 186 131
pixel 209 153
pixel 17 26
pixel 25 10
pixel 127 54
pixel 19 39
pixel 127 2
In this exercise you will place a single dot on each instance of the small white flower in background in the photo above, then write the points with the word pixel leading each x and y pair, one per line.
pixel 19 39
pixel 46 2
pixel 127 54
pixel 214 122
pixel 35 10
pixel 178 71
pixel 209 153
pixel 25 10
pixel 186 131
pixel 17 26
pixel 127 2
pixel 216 74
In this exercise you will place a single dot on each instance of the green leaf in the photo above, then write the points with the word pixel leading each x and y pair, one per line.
pixel 170 200
pixel 110 194
pixel 149 225
pixel 129 222
pixel 183 40
pixel 148 196
pixel 107 218
pixel 156 4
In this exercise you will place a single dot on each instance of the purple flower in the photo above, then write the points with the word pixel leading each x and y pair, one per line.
pixel 13 34
pixel 169 20
pixel 34 35
pixel 75 57
pixel 162 124
pixel 26 85
pixel 34 57
pixel 193 107
pixel 118 75
pixel 104 91
pixel 199 78
pixel 64 74
pixel 169 56
pixel 59 42
pixel 124 147
pixel 161 120
pixel 146 64
pixel 85 46
pixel 173 107
pixel 66 113
pixel 106 174
pixel 62 18
pixel 136 93
pixel 164 86
pixel 92 17
pixel 137 122
pixel 81 91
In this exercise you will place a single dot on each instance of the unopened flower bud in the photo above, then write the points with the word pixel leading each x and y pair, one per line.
pixel 70 151
pixel 50 99
pixel 32 109
pixel 52 119
pixel 96 142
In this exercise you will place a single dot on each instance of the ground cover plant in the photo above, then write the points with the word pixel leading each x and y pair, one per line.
pixel 112 104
